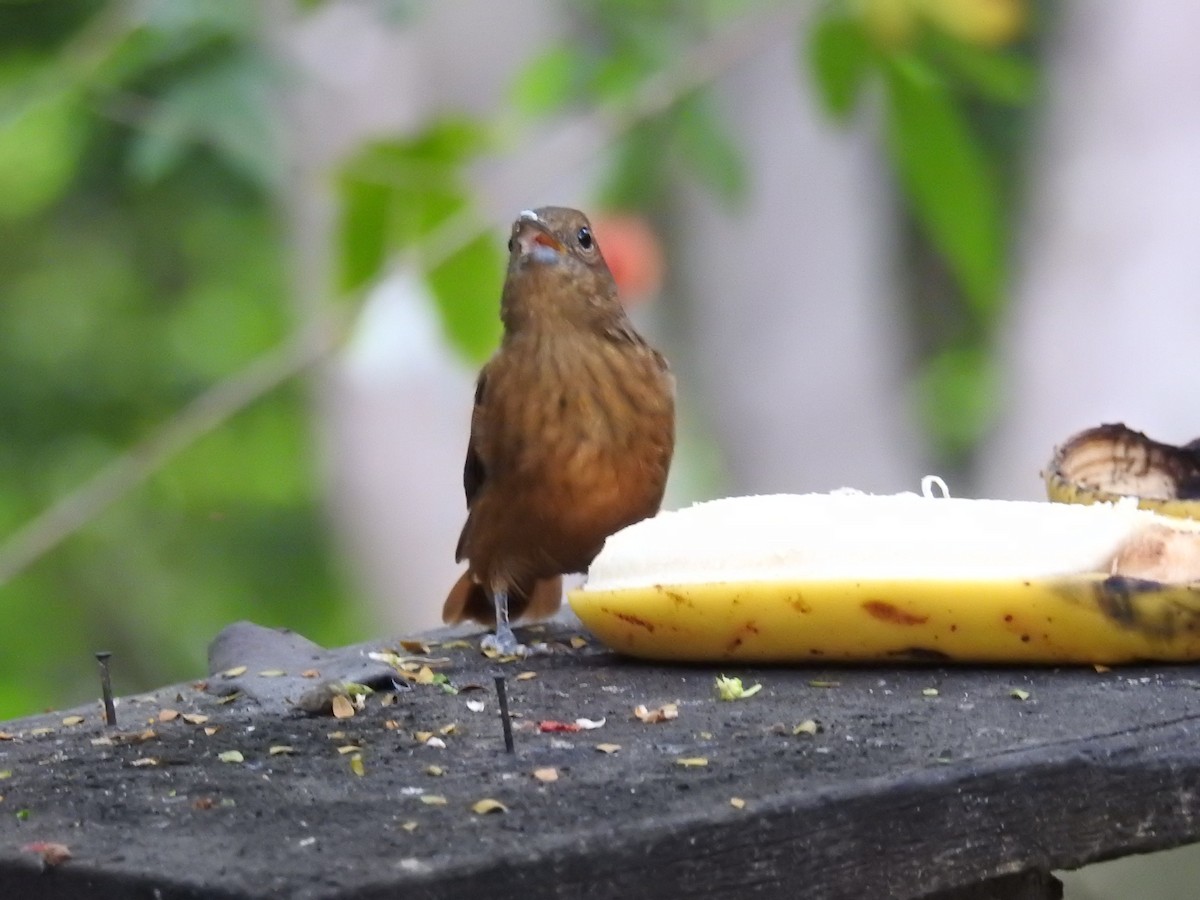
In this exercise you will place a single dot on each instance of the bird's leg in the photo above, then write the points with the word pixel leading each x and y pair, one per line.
pixel 504 642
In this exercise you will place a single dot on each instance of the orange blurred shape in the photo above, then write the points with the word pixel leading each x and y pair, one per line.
pixel 633 253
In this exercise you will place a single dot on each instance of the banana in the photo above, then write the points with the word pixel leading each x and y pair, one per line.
pixel 1092 619
pixel 1103 464
pixel 851 577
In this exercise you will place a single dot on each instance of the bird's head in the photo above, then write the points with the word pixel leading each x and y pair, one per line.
pixel 555 267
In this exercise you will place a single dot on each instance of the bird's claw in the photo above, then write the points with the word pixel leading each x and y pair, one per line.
pixel 506 645
pixel 503 644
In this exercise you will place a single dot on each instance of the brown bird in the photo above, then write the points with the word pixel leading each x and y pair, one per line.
pixel 572 431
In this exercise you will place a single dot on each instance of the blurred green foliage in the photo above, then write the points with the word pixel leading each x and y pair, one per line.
pixel 954 75
pixel 142 261
pixel 615 47
pixel 395 195
pixel 953 81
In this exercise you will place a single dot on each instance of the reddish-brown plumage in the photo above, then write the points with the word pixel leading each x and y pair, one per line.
pixel 573 427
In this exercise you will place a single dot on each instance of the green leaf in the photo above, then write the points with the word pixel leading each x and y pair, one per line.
pixel 957 391
pixel 1001 77
pixel 157 150
pixel 617 77
pixel 363 231
pixel 467 287
pixel 451 141
pixel 708 150
pixel 547 83
pixel 42 135
pixel 184 20
pixel 840 55
pixel 637 179
pixel 171 39
pixel 394 192
pixel 947 178
pixel 224 107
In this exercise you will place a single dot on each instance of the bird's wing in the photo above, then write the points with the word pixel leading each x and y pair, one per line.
pixel 622 332
pixel 473 470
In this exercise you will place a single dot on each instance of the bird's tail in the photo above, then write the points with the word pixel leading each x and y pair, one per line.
pixel 469 601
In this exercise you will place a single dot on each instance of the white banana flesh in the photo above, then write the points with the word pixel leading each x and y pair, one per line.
pixel 860 578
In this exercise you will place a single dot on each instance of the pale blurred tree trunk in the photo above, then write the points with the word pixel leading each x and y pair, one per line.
pixel 798 342
pixel 1107 300
pixel 1108 297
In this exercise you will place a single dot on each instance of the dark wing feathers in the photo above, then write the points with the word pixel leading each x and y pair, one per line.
pixel 473 471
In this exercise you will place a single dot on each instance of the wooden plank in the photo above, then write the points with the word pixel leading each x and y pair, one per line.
pixel 902 793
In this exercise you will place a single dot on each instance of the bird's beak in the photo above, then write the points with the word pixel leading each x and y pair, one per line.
pixel 531 234
pixel 547 240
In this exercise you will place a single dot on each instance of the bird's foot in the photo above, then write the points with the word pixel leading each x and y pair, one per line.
pixel 505 643
pixel 496 645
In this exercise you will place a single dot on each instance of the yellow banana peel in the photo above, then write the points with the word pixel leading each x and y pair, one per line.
pixel 1109 462
pixel 1091 619
pixel 895 579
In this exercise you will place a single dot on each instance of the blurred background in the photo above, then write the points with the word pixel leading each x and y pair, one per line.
pixel 251 255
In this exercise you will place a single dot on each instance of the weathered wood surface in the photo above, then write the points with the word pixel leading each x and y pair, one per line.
pixel 901 794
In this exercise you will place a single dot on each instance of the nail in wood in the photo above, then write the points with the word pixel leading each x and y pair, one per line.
pixel 505 720
pixel 110 709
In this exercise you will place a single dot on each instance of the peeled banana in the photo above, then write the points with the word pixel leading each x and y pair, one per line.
pixel 850 577
pixel 1106 463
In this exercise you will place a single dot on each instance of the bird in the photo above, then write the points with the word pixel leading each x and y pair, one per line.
pixel 572 430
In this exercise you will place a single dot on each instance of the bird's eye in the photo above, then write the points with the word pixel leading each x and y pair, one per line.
pixel 510 245
pixel 585 238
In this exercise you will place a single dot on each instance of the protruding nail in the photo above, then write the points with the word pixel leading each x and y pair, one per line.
pixel 505 719
pixel 110 709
